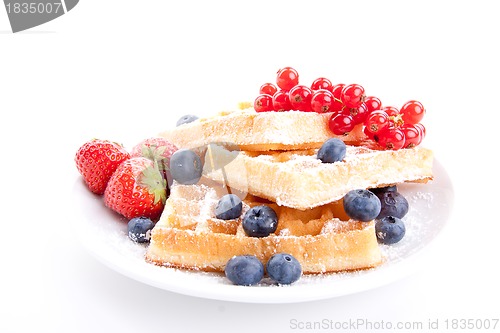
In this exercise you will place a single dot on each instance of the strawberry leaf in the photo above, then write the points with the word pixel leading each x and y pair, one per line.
pixel 156 154
pixel 152 179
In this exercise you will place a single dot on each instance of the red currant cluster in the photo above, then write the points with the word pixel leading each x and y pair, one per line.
pixel 395 129
pixel 389 127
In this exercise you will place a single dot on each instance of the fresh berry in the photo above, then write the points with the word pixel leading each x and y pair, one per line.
pixel 186 167
pixel 392 204
pixel 96 160
pixel 391 139
pixel 155 148
pixel 229 207
pixel 268 89
pixel 369 134
pixel 412 112
pixel 390 230
pixel 260 221
pixel 337 105
pixel 139 229
pixel 322 83
pixel 381 190
pixel 281 101
pixel 244 270
pixel 283 268
pixel 186 119
pixel 136 188
pixel 396 121
pixel 333 150
pixel 340 124
pixel 413 135
pixel 322 101
pixel 158 150
pixel 361 205
pixel 421 129
pixel 300 98
pixel 376 122
pixel 373 103
pixel 353 95
pixel 287 78
pixel 263 103
pixel 358 114
pixel 390 110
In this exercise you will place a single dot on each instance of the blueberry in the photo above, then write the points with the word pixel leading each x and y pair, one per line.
pixel 189 118
pixel 260 221
pixel 139 229
pixel 389 230
pixel 229 207
pixel 244 270
pixel 185 167
pixel 283 268
pixel 393 204
pixel 333 150
pixel 361 205
pixel 380 190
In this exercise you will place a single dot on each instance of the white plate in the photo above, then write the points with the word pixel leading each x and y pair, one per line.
pixel 104 234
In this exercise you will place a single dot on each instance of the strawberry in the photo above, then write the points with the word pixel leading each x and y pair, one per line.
pixel 137 189
pixel 156 149
pixel 96 160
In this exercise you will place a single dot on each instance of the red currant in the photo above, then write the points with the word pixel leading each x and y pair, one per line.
pixel 300 98
pixel 287 78
pixel 322 83
pixel 373 103
pixel 321 101
pixel 413 136
pixel 281 102
pixel 376 122
pixel 337 92
pixel 390 110
pixel 421 129
pixel 413 112
pixel 358 114
pixel 370 135
pixel 340 124
pixel 268 89
pixel 394 116
pixel 353 95
pixel 263 103
pixel 392 139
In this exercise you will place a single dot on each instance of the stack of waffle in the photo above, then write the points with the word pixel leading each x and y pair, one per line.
pixel 270 158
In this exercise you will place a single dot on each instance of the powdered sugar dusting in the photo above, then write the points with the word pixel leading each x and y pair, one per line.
pixel 334 225
pixel 105 234
pixel 298 177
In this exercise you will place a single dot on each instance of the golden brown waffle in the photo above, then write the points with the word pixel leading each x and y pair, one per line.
pixel 272 155
pixel 260 131
pixel 323 239
pixel 299 180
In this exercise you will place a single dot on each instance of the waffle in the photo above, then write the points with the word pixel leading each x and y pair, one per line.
pixel 270 158
pixel 297 179
pixel 253 131
pixel 323 239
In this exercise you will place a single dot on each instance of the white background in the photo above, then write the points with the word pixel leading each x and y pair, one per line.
pixel 125 70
